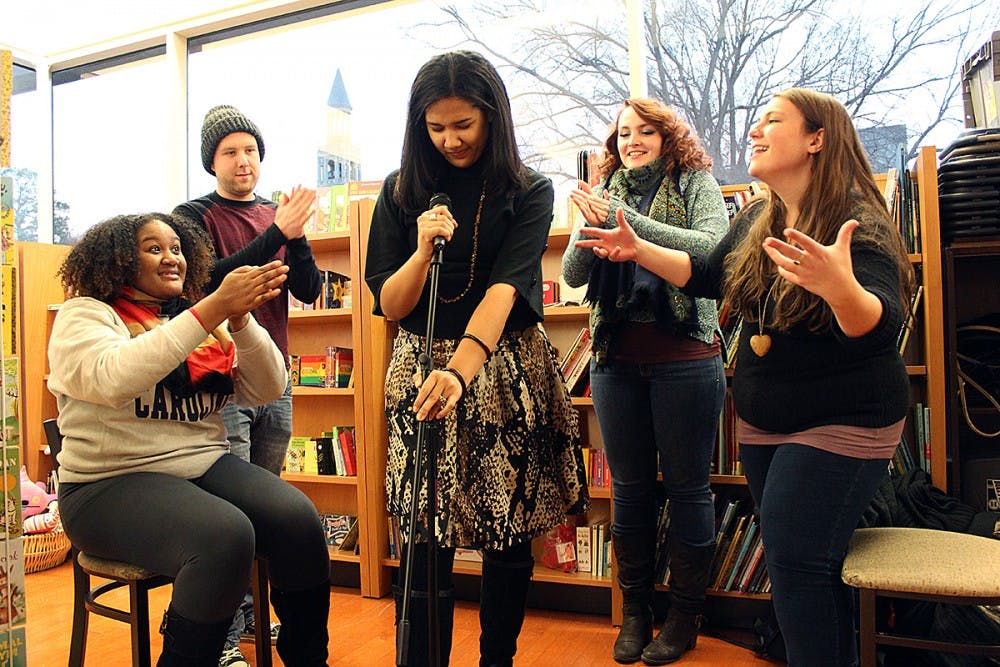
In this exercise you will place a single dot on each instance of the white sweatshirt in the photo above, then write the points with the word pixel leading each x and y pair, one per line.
pixel 115 415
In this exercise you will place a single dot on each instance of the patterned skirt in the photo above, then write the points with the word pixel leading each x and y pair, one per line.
pixel 509 466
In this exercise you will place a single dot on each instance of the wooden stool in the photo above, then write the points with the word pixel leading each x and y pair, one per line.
pixel 139 582
pixel 920 564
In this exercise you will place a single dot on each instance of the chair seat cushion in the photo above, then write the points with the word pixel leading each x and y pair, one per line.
pixel 112 569
pixel 924 561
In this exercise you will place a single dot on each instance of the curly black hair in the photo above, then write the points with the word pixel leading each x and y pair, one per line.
pixel 106 259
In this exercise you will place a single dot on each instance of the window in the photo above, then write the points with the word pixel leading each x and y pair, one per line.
pixel 109 143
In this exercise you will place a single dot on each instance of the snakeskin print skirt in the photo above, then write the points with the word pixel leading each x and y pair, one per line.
pixel 510 465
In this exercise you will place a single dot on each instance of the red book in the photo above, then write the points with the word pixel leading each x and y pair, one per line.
pixel 346 437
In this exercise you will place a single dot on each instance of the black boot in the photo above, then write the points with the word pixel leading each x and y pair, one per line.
pixel 303 638
pixel 190 644
pixel 634 554
pixel 689 569
pixel 417 651
pixel 503 597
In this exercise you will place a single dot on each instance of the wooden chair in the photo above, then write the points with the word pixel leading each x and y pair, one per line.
pixel 139 582
pixel 920 564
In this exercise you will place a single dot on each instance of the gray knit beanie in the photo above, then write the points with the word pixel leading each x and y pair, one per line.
pixel 219 123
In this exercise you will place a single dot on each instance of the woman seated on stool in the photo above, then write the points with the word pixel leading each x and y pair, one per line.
pixel 139 375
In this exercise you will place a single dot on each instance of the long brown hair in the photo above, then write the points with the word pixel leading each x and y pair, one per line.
pixel 841 181
pixel 681 147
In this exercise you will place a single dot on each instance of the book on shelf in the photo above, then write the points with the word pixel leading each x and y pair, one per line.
pixel 755 561
pixel 735 200
pixel 339 366
pixel 661 557
pixel 296 453
pixel 310 465
pixel 732 547
pixel 741 554
pixel 336 527
pixel 340 466
pixel 335 291
pixel 326 464
pixel 350 541
pixel 723 535
pixel 908 322
pixel 348 448
pixel 584 549
pixel 890 190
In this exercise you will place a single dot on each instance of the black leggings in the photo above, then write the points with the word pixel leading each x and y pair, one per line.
pixel 204 532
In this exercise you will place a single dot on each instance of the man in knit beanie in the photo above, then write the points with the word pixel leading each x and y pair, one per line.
pixel 219 123
pixel 250 230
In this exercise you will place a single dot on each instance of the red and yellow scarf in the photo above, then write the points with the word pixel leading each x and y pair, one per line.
pixel 208 368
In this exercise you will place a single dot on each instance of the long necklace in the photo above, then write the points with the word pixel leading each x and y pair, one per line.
pixel 760 342
pixel 475 250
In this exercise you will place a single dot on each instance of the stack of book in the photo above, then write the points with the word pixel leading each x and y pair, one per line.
pixel 593 547
pixel 332 453
pixel 739 554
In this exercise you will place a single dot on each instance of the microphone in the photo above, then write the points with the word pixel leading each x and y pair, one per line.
pixel 440 199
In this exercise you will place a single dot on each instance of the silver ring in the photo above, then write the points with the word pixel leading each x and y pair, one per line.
pixel 432 216
pixel 442 402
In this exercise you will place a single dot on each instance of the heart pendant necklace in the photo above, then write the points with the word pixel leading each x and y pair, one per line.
pixel 760 342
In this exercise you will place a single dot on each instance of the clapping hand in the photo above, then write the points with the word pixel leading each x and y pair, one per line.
pixel 617 244
pixel 247 287
pixel 294 211
pixel 594 209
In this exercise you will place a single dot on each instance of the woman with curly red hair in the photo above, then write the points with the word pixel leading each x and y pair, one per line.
pixel 657 374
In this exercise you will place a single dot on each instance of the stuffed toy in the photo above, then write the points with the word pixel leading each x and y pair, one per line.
pixel 34 498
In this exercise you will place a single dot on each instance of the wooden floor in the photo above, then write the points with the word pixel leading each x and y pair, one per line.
pixel 361 629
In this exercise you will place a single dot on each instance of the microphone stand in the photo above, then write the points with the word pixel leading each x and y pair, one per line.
pixel 403 629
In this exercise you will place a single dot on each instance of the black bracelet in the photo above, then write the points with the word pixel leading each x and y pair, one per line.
pixel 458 376
pixel 479 341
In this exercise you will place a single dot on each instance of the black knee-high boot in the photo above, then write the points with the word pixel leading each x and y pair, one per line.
pixel 689 572
pixel 417 645
pixel 634 556
pixel 502 600
pixel 303 639
pixel 190 644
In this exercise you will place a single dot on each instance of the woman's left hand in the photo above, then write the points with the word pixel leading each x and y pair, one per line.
pixel 438 395
pixel 826 271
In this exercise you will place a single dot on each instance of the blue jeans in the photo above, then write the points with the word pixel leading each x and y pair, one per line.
pixel 259 435
pixel 668 409
pixel 810 502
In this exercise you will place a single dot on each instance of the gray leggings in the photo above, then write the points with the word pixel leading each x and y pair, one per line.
pixel 204 532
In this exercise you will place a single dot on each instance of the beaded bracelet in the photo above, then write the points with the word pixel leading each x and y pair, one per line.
pixel 479 341
pixel 458 376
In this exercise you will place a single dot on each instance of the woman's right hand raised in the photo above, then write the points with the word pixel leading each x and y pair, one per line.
pixel 242 290
pixel 431 224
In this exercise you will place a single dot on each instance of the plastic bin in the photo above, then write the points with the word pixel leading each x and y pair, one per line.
pixel 981 85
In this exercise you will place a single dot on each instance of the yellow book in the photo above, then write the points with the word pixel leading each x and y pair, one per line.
pixel 310 463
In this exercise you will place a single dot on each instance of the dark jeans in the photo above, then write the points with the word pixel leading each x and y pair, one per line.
pixel 203 532
pixel 671 409
pixel 810 502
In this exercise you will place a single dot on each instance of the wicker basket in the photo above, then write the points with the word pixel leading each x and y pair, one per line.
pixel 45 550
